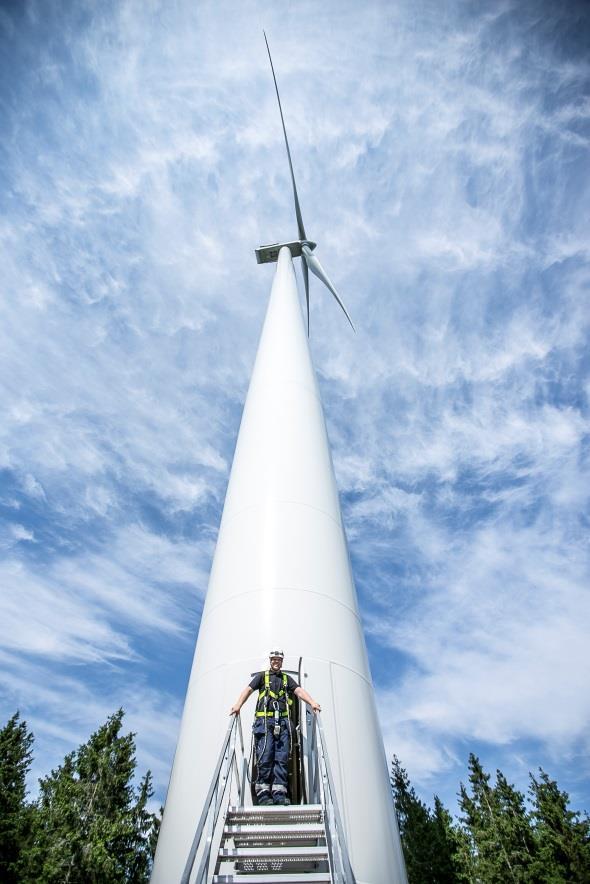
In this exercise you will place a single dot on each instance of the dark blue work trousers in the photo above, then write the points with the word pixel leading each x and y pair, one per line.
pixel 272 755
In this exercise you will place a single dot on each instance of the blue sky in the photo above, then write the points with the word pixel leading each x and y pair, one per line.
pixel 441 153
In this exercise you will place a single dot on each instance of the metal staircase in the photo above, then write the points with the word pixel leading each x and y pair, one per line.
pixel 294 844
pixel 286 844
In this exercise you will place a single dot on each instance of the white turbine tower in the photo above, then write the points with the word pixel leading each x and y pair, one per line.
pixel 281 576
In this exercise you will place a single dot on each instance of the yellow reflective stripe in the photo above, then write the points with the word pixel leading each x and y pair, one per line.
pixel 270 714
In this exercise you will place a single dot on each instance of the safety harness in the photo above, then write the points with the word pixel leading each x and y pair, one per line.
pixel 265 694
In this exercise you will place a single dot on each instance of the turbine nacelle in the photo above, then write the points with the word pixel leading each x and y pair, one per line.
pixel 270 254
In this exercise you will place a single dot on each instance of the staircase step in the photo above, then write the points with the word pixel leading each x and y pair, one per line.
pixel 279 814
pixel 274 853
pixel 284 832
pixel 262 878
pixel 276 808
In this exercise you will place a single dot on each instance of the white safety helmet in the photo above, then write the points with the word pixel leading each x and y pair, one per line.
pixel 280 654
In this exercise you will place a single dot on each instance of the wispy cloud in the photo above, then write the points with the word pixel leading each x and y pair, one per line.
pixel 442 166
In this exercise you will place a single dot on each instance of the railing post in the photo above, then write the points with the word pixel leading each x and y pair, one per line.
pixel 213 800
pixel 316 756
pixel 340 863
pixel 306 752
pixel 241 779
pixel 311 761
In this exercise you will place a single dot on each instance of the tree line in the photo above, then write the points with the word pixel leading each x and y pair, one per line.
pixel 499 836
pixel 90 823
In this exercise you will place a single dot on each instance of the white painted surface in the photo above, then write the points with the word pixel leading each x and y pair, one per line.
pixel 281 578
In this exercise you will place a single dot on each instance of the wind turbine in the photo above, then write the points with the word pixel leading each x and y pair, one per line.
pixel 302 247
pixel 281 577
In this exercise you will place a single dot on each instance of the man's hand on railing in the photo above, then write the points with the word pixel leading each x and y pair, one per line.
pixel 235 710
pixel 315 707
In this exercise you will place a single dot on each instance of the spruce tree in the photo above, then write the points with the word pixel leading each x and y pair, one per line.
pixel 499 828
pixel 478 819
pixel 563 836
pixel 414 826
pixel 428 839
pixel 452 849
pixel 90 825
pixel 515 827
pixel 15 760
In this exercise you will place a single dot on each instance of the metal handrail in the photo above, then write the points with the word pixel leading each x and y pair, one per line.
pixel 339 859
pixel 217 789
pixel 320 789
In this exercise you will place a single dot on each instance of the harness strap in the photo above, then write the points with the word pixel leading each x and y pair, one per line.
pixel 271 714
pixel 266 692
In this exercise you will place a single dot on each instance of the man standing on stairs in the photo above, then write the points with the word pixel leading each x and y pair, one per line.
pixel 272 727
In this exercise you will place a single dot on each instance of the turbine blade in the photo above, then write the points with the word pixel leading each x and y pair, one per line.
pixel 300 226
pixel 316 268
pixel 306 283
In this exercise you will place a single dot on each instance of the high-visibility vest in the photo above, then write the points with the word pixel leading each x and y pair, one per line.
pixel 265 692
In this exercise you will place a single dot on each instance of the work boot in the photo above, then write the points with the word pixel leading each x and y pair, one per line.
pixel 265 798
pixel 280 798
